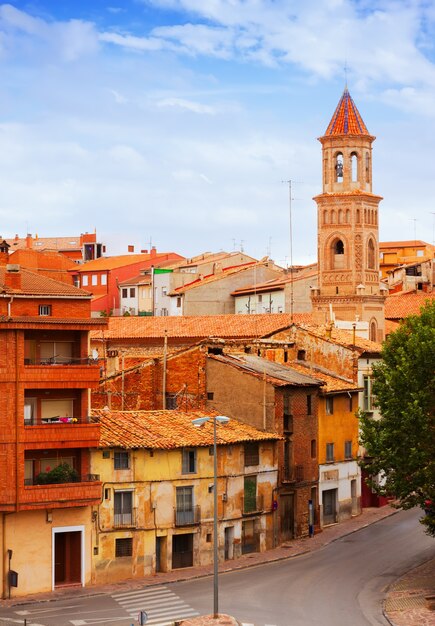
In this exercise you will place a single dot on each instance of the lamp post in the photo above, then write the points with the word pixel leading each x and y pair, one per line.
pixel 218 419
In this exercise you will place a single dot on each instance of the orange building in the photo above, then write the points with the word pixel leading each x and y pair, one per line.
pixel 395 253
pixel 79 248
pixel 45 432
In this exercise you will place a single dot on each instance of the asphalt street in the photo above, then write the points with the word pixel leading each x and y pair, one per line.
pixel 342 584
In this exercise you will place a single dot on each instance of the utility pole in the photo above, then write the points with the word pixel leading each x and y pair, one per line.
pixel 289 183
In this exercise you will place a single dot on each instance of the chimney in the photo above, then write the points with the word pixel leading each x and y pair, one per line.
pixel 153 252
pixel 29 240
pixel 4 252
pixel 13 276
pixel 130 248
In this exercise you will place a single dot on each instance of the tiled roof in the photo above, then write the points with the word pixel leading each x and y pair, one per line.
pixel 209 257
pixel 332 382
pixel 402 304
pixel 343 337
pixel 210 278
pixel 30 321
pixel 391 326
pixel 201 326
pixel 274 284
pixel 114 262
pixel 40 285
pixel 168 430
pixel 275 373
pixel 346 119
pixel 404 244
pixel 47 243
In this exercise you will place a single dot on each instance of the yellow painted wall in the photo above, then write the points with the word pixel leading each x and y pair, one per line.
pixel 29 536
pixel 339 427
pixel 154 477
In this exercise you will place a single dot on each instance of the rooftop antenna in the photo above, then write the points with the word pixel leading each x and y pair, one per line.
pixel 269 248
pixel 234 244
pixel 415 228
pixel 289 183
pixel 242 241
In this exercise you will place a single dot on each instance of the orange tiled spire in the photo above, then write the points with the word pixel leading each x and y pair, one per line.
pixel 346 119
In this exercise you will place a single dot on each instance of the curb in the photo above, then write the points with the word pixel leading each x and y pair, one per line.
pixel 93 592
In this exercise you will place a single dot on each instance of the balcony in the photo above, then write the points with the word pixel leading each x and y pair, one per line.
pixel 190 517
pixel 253 504
pixel 293 473
pixel 84 372
pixel 82 431
pixel 125 520
pixel 63 495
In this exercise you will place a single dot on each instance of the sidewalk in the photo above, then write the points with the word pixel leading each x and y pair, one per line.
pixel 287 550
pixel 405 604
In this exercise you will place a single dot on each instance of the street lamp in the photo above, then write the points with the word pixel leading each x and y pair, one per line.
pixel 218 419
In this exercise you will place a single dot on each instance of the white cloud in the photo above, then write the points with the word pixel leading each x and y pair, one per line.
pixel 194 107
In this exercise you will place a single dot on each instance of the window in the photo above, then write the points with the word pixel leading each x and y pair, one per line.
pixel 260 298
pixel 288 450
pixel 210 395
pixel 348 449
pixel 309 404
pixel 121 460
pixel 164 290
pixel 313 448
pixel 178 302
pixel 339 168
pixel 184 510
pixel 371 255
pixel 329 452
pixel 301 355
pixel 367 394
pixel 420 252
pixel 251 453
pixel 132 292
pixel 250 494
pixel 171 401
pixel 45 310
pixel 329 405
pixel 104 279
pixel 354 166
pixel 125 293
pixel 188 461
pixel 123 508
pixel 124 547
pixel 84 280
pixel 94 279
pixel 339 247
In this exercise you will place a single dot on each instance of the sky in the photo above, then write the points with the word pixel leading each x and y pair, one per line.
pixel 176 123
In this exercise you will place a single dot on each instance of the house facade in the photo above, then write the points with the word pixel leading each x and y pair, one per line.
pixel 157 508
pixel 46 485
pixel 79 248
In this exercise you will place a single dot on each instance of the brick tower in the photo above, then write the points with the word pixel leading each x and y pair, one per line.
pixel 347 218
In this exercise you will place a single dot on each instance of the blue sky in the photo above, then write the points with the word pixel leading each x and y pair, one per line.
pixel 176 121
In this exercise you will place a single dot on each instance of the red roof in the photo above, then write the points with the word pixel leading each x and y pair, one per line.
pixel 38 285
pixel 402 304
pixel 346 119
pixel 201 326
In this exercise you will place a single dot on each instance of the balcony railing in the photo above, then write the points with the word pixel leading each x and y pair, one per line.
pixel 293 473
pixel 253 505
pixel 125 519
pixel 86 478
pixel 62 360
pixel 189 517
pixel 60 419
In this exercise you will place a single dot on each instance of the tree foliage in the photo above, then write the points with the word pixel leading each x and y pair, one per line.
pixel 400 447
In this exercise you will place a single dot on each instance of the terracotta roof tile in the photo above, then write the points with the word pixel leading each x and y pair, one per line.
pixel 114 262
pixel 275 283
pixel 47 243
pixel 404 244
pixel 168 430
pixel 346 119
pixel 201 326
pixel 210 278
pixel 343 337
pixel 331 381
pixel 402 304
pixel 40 285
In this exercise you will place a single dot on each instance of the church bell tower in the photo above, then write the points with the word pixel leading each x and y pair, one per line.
pixel 347 225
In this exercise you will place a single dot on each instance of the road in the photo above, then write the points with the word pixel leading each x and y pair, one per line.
pixel 340 585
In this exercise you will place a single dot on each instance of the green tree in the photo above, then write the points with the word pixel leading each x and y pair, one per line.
pixel 400 447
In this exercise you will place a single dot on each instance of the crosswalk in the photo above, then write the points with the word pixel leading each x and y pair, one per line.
pixel 161 604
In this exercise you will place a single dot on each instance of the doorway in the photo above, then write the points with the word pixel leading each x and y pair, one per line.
pixel 182 551
pixel 229 543
pixel 329 502
pixel 287 516
pixel 68 559
pixel 161 554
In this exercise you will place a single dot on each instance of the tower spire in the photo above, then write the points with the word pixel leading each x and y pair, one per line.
pixel 346 119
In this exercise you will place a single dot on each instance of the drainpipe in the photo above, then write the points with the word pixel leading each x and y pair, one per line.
pixel 10 306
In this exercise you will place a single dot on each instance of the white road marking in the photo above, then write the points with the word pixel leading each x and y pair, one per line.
pixel 160 604
pixel 50 610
